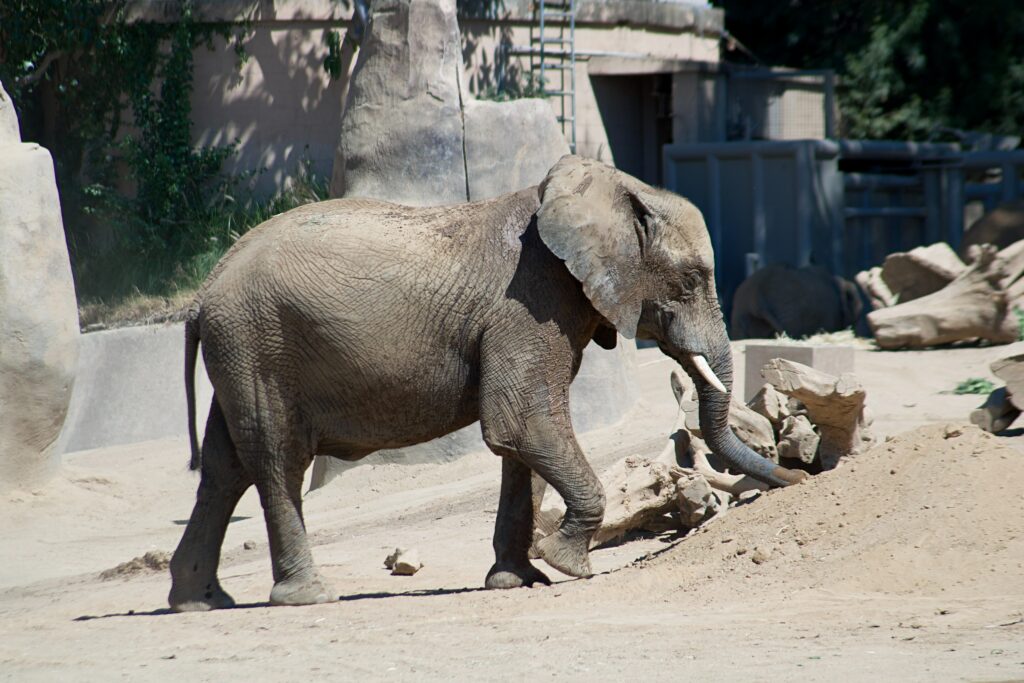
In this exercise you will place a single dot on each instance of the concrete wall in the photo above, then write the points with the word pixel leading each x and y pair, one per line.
pixel 130 388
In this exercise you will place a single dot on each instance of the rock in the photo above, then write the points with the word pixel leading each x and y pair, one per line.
pixel 10 133
pixel 921 271
pixel 403 562
pixel 879 294
pixel 1011 371
pixel 996 413
pixel 770 404
pixel 970 307
pixel 696 499
pixel 38 311
pixel 528 143
pixel 834 404
pixel 760 555
pixel 402 128
pixel 798 440
pixel 249 545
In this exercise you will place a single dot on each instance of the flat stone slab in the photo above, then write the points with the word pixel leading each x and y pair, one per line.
pixel 834 360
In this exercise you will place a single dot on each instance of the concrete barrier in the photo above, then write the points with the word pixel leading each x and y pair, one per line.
pixel 130 387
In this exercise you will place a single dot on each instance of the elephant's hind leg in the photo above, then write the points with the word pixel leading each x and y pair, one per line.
pixel 513 531
pixel 279 471
pixel 194 583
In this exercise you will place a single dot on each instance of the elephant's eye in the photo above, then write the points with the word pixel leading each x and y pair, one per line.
pixel 691 282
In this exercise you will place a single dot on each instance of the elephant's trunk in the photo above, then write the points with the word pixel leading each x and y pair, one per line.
pixel 714 421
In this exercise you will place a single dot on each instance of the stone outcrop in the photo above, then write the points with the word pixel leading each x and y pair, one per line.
pixel 412 134
pixel 38 311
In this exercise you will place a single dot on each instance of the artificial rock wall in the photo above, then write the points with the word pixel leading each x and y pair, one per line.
pixel 38 311
pixel 412 134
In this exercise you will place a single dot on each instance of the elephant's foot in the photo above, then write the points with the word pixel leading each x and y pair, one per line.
pixel 211 596
pixel 568 554
pixel 503 575
pixel 302 590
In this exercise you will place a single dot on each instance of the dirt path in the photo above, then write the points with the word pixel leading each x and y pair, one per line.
pixel 906 565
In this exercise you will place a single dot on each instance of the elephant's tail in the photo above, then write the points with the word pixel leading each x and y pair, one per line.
pixel 191 349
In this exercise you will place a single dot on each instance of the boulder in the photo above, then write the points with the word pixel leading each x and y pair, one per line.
pixel 996 413
pixel 38 311
pixel 798 440
pixel 696 499
pixel 1011 371
pixel 770 404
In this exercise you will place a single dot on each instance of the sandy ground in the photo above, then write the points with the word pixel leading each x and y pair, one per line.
pixel 906 564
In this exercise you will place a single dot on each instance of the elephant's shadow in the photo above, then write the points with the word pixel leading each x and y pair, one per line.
pixel 419 593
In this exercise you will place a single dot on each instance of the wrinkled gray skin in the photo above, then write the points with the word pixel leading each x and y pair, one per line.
pixel 797 301
pixel 351 325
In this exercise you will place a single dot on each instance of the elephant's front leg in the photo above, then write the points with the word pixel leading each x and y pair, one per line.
pixel 524 415
pixel 513 531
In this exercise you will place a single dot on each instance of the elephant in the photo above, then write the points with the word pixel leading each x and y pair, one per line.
pixel 1002 226
pixel 347 326
pixel 796 301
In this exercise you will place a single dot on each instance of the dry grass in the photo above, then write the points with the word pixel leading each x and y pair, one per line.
pixel 137 309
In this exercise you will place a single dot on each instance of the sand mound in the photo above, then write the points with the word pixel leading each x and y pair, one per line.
pixel 153 561
pixel 933 511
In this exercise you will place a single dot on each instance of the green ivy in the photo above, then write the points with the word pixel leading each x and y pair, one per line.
pixel 111 99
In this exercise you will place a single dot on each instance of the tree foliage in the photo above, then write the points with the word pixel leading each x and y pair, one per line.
pixel 908 68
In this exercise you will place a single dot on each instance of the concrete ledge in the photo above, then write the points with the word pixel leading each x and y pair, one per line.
pixel 835 360
pixel 130 387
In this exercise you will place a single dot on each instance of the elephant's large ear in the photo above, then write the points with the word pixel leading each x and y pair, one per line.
pixel 591 220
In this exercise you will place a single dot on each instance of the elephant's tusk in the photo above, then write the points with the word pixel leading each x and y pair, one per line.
pixel 701 363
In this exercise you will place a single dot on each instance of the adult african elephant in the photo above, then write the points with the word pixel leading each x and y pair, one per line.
pixel 796 301
pixel 352 325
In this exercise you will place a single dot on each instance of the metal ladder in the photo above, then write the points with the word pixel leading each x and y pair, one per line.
pixel 552 54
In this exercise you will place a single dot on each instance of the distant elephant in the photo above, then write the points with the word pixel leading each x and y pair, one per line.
pixel 797 301
pixel 348 326
pixel 1002 226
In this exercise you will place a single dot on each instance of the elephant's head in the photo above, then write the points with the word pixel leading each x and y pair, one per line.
pixel 645 261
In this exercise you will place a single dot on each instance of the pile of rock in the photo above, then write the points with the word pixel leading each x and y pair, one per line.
pixel 801 418
pixel 928 296
pixel 1004 405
